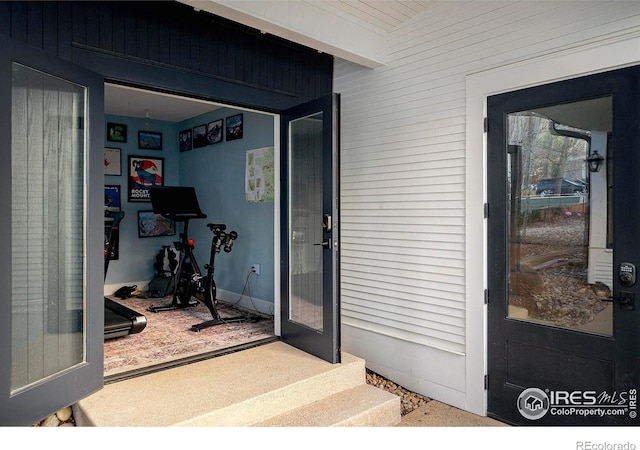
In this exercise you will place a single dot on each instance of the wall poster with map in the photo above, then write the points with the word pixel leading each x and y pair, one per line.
pixel 259 181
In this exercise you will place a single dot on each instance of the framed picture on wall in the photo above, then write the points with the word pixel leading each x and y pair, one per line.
pixel 112 161
pixel 149 140
pixel 185 142
pixel 144 172
pixel 112 201
pixel 234 127
pixel 214 132
pixel 154 225
pixel 111 234
pixel 200 136
pixel 116 132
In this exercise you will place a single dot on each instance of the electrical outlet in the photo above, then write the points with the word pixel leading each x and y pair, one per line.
pixel 255 268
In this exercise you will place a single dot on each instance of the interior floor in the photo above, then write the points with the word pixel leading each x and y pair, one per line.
pixel 168 336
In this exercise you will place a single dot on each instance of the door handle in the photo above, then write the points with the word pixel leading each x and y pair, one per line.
pixel 326 243
pixel 327 224
pixel 626 301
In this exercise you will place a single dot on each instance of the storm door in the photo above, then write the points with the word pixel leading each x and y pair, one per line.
pixel 51 314
pixel 563 247
pixel 309 253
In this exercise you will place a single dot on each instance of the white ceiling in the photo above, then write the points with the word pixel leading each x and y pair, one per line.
pixel 132 102
pixel 383 15
pixel 362 26
pixel 349 29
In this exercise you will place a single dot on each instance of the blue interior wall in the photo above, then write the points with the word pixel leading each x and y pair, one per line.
pixel 137 255
pixel 218 174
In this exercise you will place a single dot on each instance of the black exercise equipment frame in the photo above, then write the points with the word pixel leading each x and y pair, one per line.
pixel 180 204
pixel 119 320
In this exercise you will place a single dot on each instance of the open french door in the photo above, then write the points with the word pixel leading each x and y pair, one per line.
pixel 310 306
pixel 52 312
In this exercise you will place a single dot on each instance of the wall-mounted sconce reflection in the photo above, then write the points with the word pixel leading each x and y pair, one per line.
pixel 595 161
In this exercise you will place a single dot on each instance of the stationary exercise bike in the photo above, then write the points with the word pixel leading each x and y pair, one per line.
pixel 181 205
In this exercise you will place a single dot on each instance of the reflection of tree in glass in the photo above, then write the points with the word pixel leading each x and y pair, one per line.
pixel 549 237
pixel 546 154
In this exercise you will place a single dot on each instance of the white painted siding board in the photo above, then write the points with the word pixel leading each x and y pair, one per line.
pixel 404 129
pixel 441 93
pixel 433 370
pixel 402 247
pixel 406 148
pixel 395 273
pixel 405 300
pixel 431 264
pixel 401 243
pixel 361 215
pixel 397 156
pixel 451 175
pixel 394 200
pixel 412 323
pixel 430 191
pixel 445 299
pixel 407 335
pixel 432 291
pixel 409 279
pixel 405 313
pixel 411 333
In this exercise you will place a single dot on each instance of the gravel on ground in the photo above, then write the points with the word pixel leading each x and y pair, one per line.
pixel 409 401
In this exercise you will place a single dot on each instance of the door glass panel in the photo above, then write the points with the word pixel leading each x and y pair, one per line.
pixel 305 219
pixel 47 234
pixel 560 266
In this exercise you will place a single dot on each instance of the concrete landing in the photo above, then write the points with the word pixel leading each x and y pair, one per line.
pixel 270 385
pixel 436 414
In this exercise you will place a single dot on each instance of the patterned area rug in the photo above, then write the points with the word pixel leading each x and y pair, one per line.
pixel 168 335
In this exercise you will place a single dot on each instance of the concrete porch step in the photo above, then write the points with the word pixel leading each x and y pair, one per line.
pixel 361 406
pixel 261 386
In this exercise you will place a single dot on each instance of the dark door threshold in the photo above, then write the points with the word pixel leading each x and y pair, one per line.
pixel 187 360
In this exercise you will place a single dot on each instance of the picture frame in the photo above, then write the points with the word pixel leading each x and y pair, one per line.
pixel 112 203
pixel 149 140
pixel 200 136
pixel 116 132
pixel 144 172
pixel 154 225
pixel 112 161
pixel 185 141
pixel 234 127
pixel 215 132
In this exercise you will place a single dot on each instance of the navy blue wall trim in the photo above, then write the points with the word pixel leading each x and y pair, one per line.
pixel 168 45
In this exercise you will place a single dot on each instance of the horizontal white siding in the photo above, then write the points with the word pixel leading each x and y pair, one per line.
pixel 403 159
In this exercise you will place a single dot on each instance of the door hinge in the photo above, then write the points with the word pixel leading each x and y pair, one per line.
pixel 486 210
pixel 486 382
pixel 486 125
pixel 486 296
